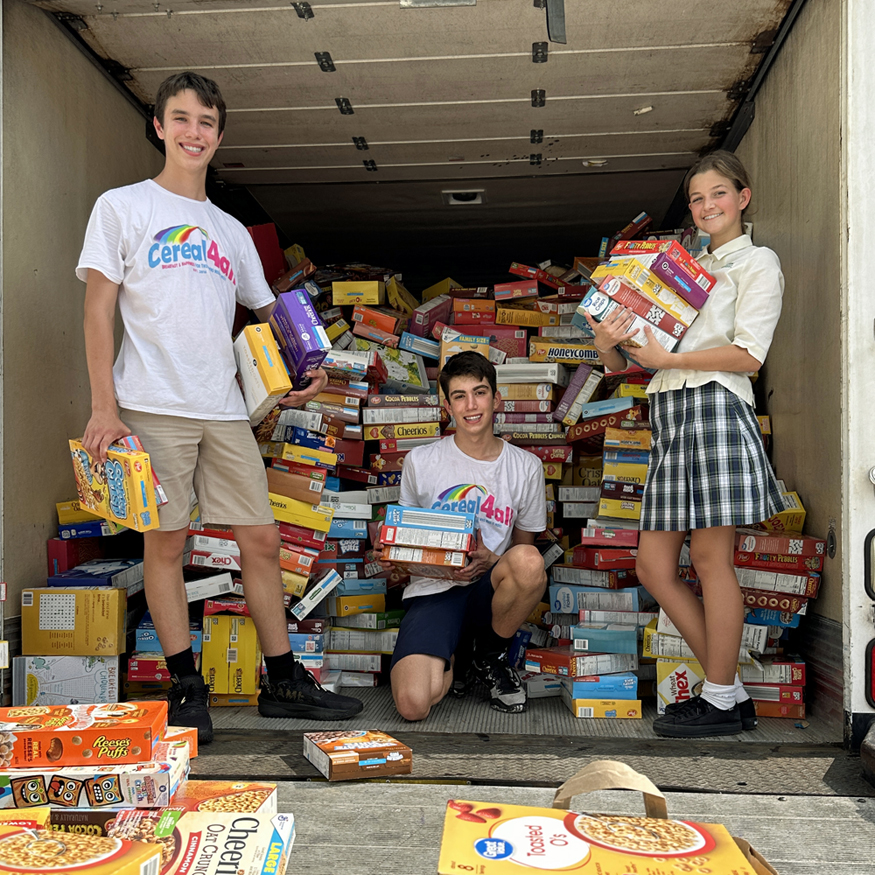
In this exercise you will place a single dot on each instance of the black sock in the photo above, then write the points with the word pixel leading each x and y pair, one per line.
pixel 489 641
pixel 280 667
pixel 181 664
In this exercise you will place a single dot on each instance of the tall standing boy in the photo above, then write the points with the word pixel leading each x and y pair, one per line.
pixel 177 265
pixel 505 578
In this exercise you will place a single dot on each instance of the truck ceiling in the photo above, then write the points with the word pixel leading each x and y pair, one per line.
pixel 563 143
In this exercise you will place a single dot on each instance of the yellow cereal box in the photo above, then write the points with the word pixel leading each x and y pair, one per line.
pixel 503 839
pixel 120 490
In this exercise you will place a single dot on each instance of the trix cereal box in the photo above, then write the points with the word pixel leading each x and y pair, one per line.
pixel 129 785
pixel 120 490
pixel 26 851
pixel 503 839
pixel 80 735
pixel 345 754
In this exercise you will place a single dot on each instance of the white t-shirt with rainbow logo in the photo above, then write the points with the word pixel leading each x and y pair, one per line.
pixel 181 265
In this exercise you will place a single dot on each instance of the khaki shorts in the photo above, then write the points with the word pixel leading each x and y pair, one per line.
pixel 219 459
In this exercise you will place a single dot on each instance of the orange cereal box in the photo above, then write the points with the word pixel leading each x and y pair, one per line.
pixel 242 797
pixel 347 754
pixel 80 735
pixel 28 850
pixel 494 839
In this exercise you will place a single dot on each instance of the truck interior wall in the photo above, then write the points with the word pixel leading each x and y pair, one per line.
pixel 68 135
pixel 793 152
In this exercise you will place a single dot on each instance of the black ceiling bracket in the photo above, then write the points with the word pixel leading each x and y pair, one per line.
pixel 344 106
pixel 539 97
pixel 535 159
pixel 370 166
pixel 323 59
pixel 536 136
pixel 304 10
pixel 539 53
pixel 74 22
pixel 361 144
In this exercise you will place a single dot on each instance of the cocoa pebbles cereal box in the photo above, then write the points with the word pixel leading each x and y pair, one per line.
pixel 505 839
pixel 80 735
pixel 208 842
pixel 37 850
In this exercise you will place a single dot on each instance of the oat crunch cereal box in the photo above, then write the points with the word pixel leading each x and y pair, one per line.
pixel 37 850
pixel 504 839
pixel 80 735
pixel 210 843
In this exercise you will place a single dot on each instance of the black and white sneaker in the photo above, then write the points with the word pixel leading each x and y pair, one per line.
pixel 188 702
pixel 698 718
pixel 506 692
pixel 304 697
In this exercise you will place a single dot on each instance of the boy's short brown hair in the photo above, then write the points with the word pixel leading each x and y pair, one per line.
pixel 207 92
pixel 468 364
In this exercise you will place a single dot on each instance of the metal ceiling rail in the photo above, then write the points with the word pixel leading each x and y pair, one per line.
pixel 526 100
pixel 475 57
pixel 167 13
pixel 348 143
pixel 492 161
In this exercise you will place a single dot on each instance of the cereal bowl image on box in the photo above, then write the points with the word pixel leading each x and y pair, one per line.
pixel 43 850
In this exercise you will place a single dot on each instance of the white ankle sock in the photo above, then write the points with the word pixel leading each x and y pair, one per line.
pixel 721 696
pixel 740 692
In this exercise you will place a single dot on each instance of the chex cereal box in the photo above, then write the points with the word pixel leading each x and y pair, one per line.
pixel 120 490
pixel 503 839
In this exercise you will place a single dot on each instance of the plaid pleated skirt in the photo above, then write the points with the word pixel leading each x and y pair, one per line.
pixel 708 466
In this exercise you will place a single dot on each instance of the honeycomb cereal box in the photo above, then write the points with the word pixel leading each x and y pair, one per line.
pixel 35 849
pixel 120 490
pixel 503 839
pixel 80 735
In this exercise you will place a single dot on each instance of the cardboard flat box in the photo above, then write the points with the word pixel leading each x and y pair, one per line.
pixel 546 350
pixel 290 510
pixel 121 490
pixel 619 709
pixel 64 554
pixel 441 288
pixel 81 735
pixel 299 334
pixel 231 658
pixel 790 520
pixel 73 622
pixel 73 512
pixel 151 666
pixel 342 606
pixel 243 797
pixel 63 680
pixel 342 755
pixel 126 574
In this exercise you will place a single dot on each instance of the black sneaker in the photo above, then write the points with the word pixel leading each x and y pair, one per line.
pixel 506 692
pixel 303 696
pixel 188 702
pixel 746 709
pixel 698 718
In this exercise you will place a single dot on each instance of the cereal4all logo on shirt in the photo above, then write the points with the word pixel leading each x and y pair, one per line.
pixel 189 246
pixel 472 498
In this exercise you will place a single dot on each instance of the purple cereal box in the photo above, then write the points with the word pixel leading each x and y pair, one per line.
pixel 299 333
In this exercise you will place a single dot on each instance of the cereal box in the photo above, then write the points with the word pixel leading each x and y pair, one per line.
pixel 347 754
pixel 264 377
pixel 299 333
pixel 503 839
pixel 27 851
pixel 80 735
pixel 209 842
pixel 120 490
pixel 243 797
pixel 64 680
pixel 128 785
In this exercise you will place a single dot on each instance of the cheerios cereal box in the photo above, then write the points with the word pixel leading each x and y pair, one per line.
pixel 504 839
pixel 80 735
pixel 120 490
pixel 28 849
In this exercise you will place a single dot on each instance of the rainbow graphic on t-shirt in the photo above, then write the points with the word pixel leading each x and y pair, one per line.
pixel 179 234
pixel 476 499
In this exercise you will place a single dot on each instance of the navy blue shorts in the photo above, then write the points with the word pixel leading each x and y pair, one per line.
pixel 434 624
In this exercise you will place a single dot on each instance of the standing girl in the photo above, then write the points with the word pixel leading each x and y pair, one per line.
pixel 708 470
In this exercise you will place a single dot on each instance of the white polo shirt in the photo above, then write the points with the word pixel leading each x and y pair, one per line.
pixel 742 309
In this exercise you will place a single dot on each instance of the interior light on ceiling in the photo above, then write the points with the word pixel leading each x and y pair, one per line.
pixel 595 162
pixel 466 198
pixel 642 110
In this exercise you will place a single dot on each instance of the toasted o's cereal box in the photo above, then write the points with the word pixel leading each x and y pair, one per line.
pixel 80 735
pixel 120 490
pixel 27 850
pixel 503 839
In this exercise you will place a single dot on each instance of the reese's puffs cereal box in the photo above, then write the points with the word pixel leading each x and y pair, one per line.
pixel 510 839
pixel 80 735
